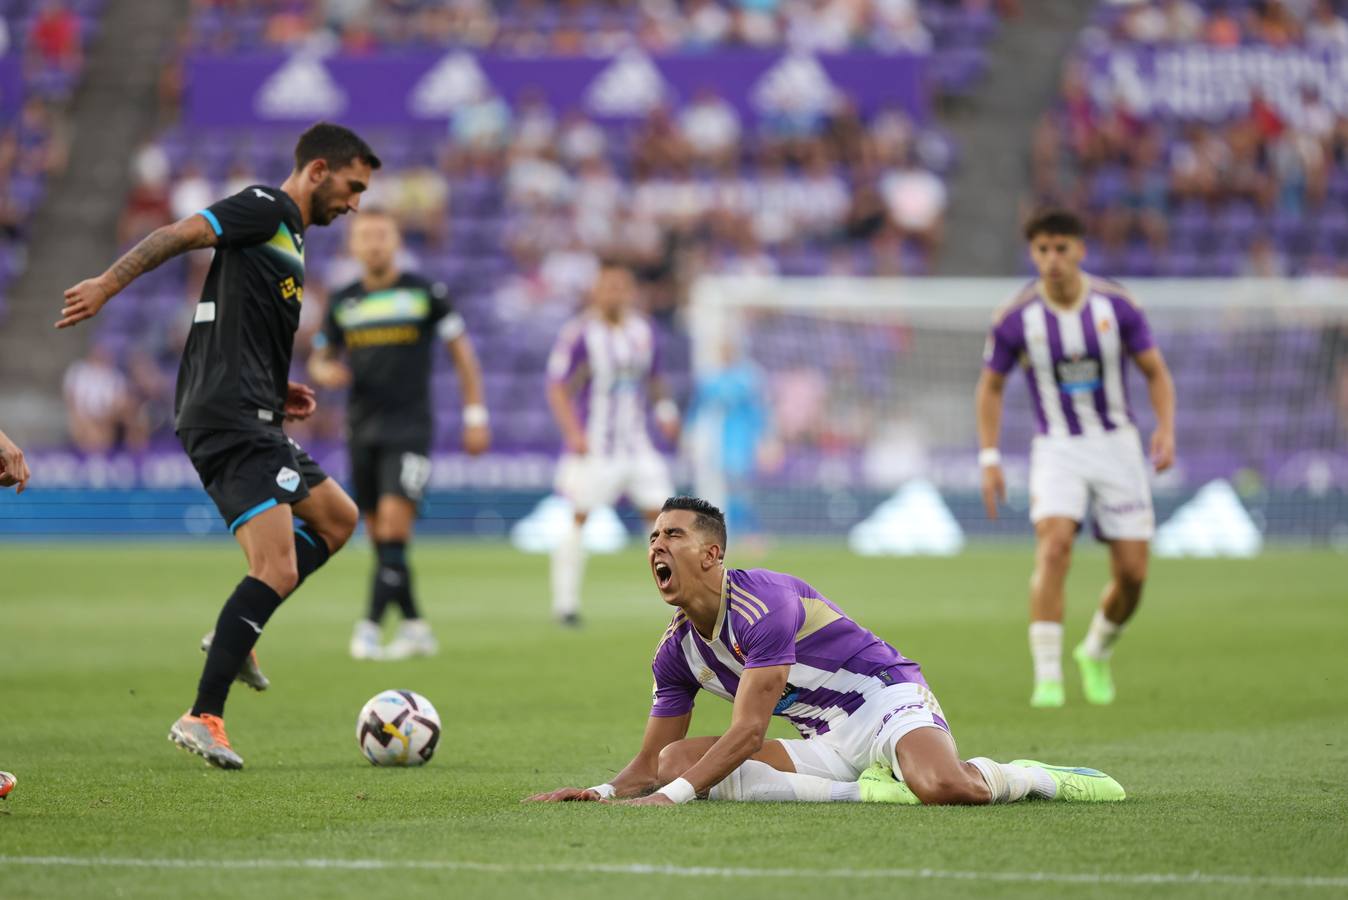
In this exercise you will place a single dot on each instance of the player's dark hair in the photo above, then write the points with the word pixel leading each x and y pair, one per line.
pixel 335 145
pixel 709 519
pixel 1059 222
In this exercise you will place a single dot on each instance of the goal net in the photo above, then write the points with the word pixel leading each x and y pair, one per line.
pixel 865 392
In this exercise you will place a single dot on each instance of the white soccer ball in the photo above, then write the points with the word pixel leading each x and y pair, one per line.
pixel 398 728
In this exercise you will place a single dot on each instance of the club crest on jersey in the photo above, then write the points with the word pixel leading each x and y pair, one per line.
pixel 288 479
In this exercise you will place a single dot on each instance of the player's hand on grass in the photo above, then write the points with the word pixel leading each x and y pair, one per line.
pixel 476 439
pixel 994 489
pixel 83 301
pixel 565 795
pixel 656 799
pixel 1162 449
pixel 13 467
pixel 300 402
pixel 330 374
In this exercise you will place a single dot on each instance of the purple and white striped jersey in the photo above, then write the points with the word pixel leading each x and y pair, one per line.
pixel 1075 360
pixel 613 364
pixel 772 619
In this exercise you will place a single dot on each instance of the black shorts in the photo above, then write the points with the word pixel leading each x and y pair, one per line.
pixel 248 472
pixel 379 470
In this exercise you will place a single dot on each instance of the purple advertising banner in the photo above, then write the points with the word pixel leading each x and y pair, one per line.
pixel 11 86
pixel 1217 83
pixel 408 89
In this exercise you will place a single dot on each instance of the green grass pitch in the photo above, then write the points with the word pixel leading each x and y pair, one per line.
pixel 1230 734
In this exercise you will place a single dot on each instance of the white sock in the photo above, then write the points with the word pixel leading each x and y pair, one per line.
pixel 1046 650
pixel 759 782
pixel 1044 785
pixel 568 568
pixel 1100 637
pixel 1007 783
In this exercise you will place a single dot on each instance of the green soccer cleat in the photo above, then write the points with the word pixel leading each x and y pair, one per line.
pixel 1047 694
pixel 878 785
pixel 1077 784
pixel 1096 681
pixel 205 736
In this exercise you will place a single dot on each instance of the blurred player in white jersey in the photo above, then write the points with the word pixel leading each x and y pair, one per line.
pixel 602 382
pixel 1073 334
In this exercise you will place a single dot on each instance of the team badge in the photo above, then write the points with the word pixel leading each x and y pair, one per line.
pixel 288 479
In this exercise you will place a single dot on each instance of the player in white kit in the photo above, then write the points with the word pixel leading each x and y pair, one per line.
pixel 1073 335
pixel 602 382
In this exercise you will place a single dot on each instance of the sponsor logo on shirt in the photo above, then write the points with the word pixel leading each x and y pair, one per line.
pixel 788 697
pixel 1078 374
pixel 288 479
pixel 393 335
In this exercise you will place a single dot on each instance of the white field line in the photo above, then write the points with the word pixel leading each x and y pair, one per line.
pixel 1084 878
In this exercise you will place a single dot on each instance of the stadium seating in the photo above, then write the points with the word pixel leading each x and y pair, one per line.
pixel 1119 149
pixel 40 63
pixel 501 255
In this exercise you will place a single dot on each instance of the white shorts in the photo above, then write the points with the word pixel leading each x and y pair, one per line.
pixel 593 481
pixel 868 735
pixel 1105 474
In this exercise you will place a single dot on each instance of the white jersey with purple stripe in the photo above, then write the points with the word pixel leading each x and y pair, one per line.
pixel 613 363
pixel 1075 359
pixel 772 619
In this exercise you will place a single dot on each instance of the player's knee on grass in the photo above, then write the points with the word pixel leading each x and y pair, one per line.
pixel 956 787
pixel 679 757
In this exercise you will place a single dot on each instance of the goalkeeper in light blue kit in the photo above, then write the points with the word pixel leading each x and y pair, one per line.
pixel 871 729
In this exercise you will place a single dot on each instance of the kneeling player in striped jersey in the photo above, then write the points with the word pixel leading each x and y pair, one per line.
pixel 1073 334
pixel 870 727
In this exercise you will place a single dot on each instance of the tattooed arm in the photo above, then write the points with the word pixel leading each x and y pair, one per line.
pixel 84 300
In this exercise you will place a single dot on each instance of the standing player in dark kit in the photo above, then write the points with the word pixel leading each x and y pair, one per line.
pixel 233 394
pixel 388 323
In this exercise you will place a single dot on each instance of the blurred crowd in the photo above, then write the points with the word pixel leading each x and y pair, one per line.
pixel 516 204
pixel 42 50
pixel 571 27
pixel 1260 193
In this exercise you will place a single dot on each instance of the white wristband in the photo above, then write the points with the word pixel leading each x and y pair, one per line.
pixel 475 415
pixel 604 790
pixel 989 456
pixel 680 790
pixel 667 410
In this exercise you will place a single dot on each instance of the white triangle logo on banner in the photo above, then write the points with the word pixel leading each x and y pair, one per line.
pixel 629 86
pixel 915 521
pixel 1213 523
pixel 797 83
pixel 455 80
pixel 303 88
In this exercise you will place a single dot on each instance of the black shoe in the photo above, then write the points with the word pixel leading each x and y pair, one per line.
pixel 570 620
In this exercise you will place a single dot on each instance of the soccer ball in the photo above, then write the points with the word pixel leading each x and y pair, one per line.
pixel 398 728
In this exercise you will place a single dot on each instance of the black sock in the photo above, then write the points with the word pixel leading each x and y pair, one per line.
pixel 395 578
pixel 311 551
pixel 381 591
pixel 236 631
